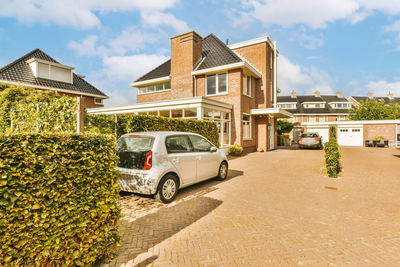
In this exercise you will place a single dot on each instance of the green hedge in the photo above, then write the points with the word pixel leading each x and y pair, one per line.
pixel 58 199
pixel 332 154
pixel 128 123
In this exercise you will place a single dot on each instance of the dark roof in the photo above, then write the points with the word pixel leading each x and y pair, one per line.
pixel 161 71
pixel 379 98
pixel 299 100
pixel 214 53
pixel 19 71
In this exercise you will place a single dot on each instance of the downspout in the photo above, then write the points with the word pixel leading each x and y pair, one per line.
pixel 275 75
pixel 195 86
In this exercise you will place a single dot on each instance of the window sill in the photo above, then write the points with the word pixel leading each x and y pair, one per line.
pixel 247 139
pixel 148 93
pixel 217 94
pixel 249 96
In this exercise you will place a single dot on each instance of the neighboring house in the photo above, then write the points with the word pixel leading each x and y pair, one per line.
pixel 316 108
pixel 356 100
pixel 355 133
pixel 233 85
pixel 38 70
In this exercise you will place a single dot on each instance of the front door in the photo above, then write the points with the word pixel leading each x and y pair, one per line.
pixel 182 156
pixel 271 132
pixel 207 165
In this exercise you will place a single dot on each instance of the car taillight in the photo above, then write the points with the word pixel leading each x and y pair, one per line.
pixel 147 161
pixel 300 139
pixel 317 139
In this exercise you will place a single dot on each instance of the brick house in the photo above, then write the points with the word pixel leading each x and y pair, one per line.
pixel 40 71
pixel 316 108
pixel 356 100
pixel 205 78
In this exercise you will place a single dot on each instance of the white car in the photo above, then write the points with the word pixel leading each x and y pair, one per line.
pixel 160 163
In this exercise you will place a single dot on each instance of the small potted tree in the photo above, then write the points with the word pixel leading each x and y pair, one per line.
pixel 235 150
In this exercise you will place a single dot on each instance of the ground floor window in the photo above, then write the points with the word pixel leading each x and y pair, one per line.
pixel 246 127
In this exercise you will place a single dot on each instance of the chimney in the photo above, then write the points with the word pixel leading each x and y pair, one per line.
pixel 317 94
pixel 186 50
pixel 339 94
pixel 370 95
pixel 390 95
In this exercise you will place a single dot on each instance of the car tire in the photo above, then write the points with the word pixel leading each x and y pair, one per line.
pixel 167 189
pixel 222 171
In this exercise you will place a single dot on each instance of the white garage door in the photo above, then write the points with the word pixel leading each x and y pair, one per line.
pixel 350 135
pixel 322 131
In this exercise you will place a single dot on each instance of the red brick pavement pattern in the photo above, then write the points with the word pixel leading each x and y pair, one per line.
pixel 278 209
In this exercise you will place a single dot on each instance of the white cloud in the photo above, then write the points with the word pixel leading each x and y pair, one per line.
pixel 307 40
pixel 382 87
pixel 130 39
pixel 131 67
pixel 314 14
pixel 87 47
pixel 304 80
pixel 75 13
pixel 155 19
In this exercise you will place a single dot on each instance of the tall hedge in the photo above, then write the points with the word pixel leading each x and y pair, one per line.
pixel 58 199
pixel 332 154
pixel 128 123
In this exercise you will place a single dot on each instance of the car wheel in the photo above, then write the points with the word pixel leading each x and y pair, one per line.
pixel 300 147
pixel 167 189
pixel 223 171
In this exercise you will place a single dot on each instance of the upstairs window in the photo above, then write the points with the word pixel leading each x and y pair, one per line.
pixel 159 87
pixel 312 119
pixel 287 106
pixel 98 101
pixel 314 105
pixel 248 85
pixel 341 105
pixel 217 84
pixel 51 70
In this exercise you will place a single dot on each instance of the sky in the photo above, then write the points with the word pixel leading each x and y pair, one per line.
pixel 352 46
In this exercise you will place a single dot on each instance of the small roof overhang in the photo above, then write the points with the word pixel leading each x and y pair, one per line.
pixel 276 112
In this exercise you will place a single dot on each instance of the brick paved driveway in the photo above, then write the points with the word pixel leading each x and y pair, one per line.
pixel 276 209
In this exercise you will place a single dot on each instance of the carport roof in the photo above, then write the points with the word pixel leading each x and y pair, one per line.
pixel 277 112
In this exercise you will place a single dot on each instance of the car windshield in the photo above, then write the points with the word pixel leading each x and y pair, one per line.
pixel 135 143
pixel 309 135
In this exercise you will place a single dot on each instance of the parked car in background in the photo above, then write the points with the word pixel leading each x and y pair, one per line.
pixel 160 163
pixel 310 140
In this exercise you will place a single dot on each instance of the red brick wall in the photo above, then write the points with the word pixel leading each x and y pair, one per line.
pixel 388 131
pixel 259 56
pixel 88 100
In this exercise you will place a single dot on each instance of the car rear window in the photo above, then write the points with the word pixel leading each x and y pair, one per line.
pixel 132 151
pixel 309 135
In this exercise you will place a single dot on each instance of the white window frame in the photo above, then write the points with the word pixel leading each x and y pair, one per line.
pixel 287 105
pixel 341 118
pixel 154 85
pixel 250 123
pixel 323 116
pixel 217 84
pixel 246 92
pixel 312 116
pixel 335 105
pixel 314 104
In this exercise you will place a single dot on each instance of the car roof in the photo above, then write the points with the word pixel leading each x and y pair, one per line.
pixel 161 133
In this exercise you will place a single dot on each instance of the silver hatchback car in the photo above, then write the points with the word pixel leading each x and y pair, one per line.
pixel 160 163
pixel 310 140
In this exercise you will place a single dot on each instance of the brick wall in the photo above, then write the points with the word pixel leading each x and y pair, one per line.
pixel 88 100
pixel 259 56
pixel 388 131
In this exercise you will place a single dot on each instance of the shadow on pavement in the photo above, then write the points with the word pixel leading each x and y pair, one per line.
pixel 397 156
pixel 147 231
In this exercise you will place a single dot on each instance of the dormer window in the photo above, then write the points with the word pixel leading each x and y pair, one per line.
pixel 314 105
pixel 51 70
pixel 154 88
pixel 341 105
pixel 287 106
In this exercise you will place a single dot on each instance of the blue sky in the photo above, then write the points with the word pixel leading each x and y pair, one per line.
pixel 351 46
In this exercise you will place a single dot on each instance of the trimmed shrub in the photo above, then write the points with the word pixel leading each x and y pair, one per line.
pixel 235 149
pixel 58 199
pixel 128 123
pixel 332 154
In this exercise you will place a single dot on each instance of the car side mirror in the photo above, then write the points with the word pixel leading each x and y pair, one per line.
pixel 213 149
